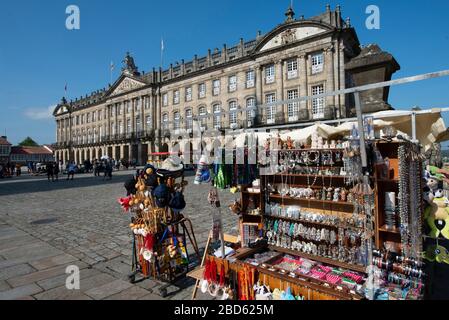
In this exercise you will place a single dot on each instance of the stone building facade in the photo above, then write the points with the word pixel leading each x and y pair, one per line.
pixel 144 113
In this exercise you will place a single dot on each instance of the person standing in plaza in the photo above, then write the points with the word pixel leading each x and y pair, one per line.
pixel 108 170
pixel 70 170
pixel 49 169
pixel 18 169
pixel 55 171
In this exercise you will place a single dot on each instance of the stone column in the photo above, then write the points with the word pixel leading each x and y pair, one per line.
pixel 133 115
pixel 114 152
pixel 342 97
pixel 282 110
pixel 130 152
pixel 259 90
pixel 330 85
pixel 122 151
pixel 123 104
pixel 309 92
pixel 303 77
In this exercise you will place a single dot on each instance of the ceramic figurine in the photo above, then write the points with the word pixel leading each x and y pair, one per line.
pixel 290 143
pixel 336 195
pixel 329 194
pixel 343 194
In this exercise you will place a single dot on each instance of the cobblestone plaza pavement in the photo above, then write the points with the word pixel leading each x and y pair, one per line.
pixel 45 226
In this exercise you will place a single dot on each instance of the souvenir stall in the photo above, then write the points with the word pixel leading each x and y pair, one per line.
pixel 160 231
pixel 318 225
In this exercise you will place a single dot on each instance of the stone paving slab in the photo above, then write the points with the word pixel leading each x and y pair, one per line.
pixel 53 261
pixel 4 286
pixel 132 293
pixel 108 289
pixel 58 281
pixel 19 292
pixel 61 293
pixel 41 275
pixel 16 271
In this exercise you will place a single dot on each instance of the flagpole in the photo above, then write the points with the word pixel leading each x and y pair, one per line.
pixel 162 52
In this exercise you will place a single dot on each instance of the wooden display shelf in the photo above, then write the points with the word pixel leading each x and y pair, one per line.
pixel 388 230
pixel 303 281
pixel 305 175
pixel 361 269
pixel 252 193
pixel 267 216
pixel 338 203
pixel 309 149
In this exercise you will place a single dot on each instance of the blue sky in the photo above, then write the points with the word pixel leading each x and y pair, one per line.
pixel 38 55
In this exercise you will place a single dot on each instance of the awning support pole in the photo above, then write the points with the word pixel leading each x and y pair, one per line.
pixel 358 109
pixel 414 127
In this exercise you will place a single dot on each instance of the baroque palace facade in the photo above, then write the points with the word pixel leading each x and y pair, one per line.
pixel 144 113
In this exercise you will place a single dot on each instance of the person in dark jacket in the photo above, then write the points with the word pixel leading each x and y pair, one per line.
pixel 55 171
pixel 49 168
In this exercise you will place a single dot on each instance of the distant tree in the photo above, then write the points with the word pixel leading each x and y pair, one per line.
pixel 28 142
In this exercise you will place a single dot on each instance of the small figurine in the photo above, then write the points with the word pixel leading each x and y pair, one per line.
pixel 290 144
pixel 329 194
pixel 343 194
pixel 323 195
pixel 336 195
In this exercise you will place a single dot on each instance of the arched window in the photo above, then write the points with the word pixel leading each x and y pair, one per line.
pixel 217 116
pixel 233 113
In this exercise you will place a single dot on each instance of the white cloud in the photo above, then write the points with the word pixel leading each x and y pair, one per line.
pixel 39 113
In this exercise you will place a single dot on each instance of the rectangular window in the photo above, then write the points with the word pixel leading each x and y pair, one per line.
pixel 77 120
pixel 271 110
pixel 292 107
pixel 232 83
pixel 188 94
pixel 217 116
pixel 292 69
pixel 233 114
pixel 128 126
pixel 216 87
pixel 176 123
pixel 148 122
pixel 250 79
pixel 165 99
pixel 128 107
pixel 189 119
pixel 176 97
pixel 318 104
pixel 138 124
pixel 112 128
pixel 269 73
pixel 120 127
pixel 165 121
pixel 202 90
pixel 88 118
pixel 317 63
pixel 93 116
pixel 203 116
